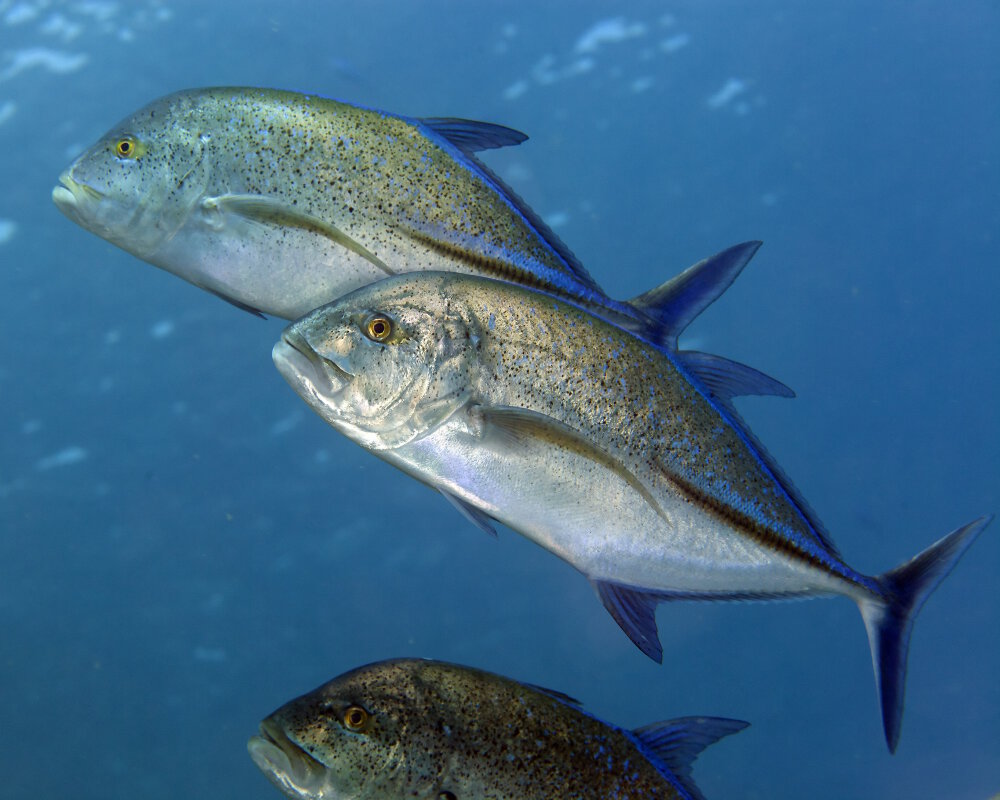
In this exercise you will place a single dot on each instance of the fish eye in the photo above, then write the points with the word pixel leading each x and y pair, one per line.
pixel 378 328
pixel 356 718
pixel 128 147
pixel 447 796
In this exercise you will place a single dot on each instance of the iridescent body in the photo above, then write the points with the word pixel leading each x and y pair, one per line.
pixel 424 729
pixel 624 459
pixel 280 202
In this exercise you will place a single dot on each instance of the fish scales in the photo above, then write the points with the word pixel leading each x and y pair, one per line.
pixel 279 201
pixel 437 730
pixel 606 450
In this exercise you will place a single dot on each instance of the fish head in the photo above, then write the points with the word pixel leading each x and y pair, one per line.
pixel 346 740
pixel 137 185
pixel 385 364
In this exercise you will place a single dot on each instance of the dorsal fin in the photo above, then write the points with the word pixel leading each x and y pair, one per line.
pixel 676 743
pixel 677 302
pixel 727 379
pixel 562 697
pixel 471 136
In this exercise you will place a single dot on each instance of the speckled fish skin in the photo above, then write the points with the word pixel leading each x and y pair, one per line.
pixel 280 201
pixel 416 729
pixel 525 409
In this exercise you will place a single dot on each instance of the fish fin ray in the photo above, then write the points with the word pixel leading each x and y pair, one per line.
pixel 516 425
pixel 569 261
pixel 727 379
pixel 674 304
pixel 677 743
pixel 889 619
pixel 471 136
pixel 238 303
pixel 635 612
pixel 562 697
pixel 268 210
pixel 477 517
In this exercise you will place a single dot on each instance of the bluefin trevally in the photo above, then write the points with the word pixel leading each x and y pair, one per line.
pixel 627 460
pixel 280 202
pixel 410 728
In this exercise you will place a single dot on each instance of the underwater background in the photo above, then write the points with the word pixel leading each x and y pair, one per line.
pixel 184 546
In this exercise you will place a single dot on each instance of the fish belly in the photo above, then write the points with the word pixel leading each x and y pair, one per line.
pixel 603 521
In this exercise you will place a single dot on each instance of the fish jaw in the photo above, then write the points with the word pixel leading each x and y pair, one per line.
pixel 293 771
pixel 75 199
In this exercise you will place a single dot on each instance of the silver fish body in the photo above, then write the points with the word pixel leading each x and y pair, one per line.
pixel 279 201
pixel 410 728
pixel 625 459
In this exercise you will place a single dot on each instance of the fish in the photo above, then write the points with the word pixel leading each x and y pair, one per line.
pixel 628 461
pixel 413 728
pixel 279 201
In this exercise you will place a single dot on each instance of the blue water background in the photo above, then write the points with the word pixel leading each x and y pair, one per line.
pixel 184 546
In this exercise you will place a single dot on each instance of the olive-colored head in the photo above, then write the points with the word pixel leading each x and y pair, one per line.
pixel 383 364
pixel 137 184
pixel 354 737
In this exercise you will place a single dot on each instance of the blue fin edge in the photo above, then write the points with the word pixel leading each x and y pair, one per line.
pixel 889 618
pixel 677 743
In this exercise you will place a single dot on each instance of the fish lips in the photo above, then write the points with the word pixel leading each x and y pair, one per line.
pixel 307 371
pixel 72 197
pixel 288 766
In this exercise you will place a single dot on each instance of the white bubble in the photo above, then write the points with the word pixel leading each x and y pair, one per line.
pixel 557 219
pixel 7 230
pixel 675 43
pixel 608 31
pixel 730 89
pixel 641 84
pixel 73 454
pixel 57 61
pixel 162 329
pixel 515 90
pixel 7 110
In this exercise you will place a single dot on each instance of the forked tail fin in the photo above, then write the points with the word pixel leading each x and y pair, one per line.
pixel 889 619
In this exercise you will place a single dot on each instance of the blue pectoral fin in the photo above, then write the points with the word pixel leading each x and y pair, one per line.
pixel 889 620
pixel 676 744
pixel 480 519
pixel 635 612
pixel 471 136
pixel 674 304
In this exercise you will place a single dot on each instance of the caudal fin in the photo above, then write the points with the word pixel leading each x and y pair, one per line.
pixel 889 620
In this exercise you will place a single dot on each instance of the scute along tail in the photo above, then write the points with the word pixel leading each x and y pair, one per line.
pixel 889 619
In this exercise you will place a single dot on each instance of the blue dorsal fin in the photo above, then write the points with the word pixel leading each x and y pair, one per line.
pixel 674 304
pixel 635 612
pixel 676 743
pixel 480 519
pixel 471 136
pixel 560 696
pixel 727 379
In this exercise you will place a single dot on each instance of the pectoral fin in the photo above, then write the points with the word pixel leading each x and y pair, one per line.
pixel 480 519
pixel 517 426
pixel 269 211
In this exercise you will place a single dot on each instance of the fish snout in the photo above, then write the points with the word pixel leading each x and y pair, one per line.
pixel 299 363
pixel 71 196
pixel 282 761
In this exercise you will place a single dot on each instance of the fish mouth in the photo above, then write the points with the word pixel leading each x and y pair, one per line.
pixel 71 195
pixel 299 363
pixel 288 766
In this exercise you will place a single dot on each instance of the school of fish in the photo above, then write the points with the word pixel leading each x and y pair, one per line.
pixel 441 325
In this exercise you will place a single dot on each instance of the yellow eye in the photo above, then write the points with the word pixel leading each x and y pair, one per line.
pixel 356 718
pixel 378 328
pixel 129 147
